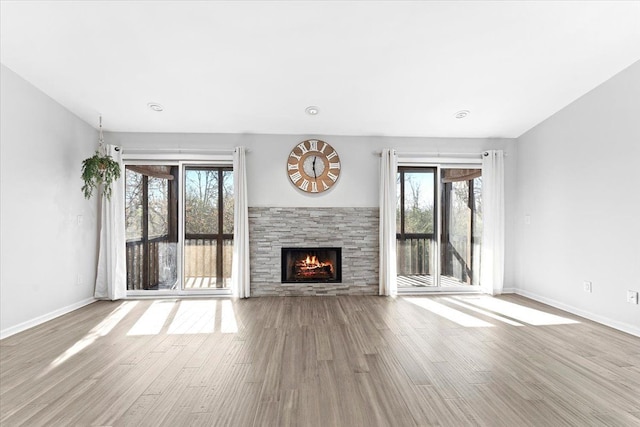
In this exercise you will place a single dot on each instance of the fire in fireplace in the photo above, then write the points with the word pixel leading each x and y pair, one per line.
pixel 311 265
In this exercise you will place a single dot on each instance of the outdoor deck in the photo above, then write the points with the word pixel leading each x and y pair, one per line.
pixel 423 281
pixel 205 283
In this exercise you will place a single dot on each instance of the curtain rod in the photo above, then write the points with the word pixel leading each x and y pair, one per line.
pixel 179 150
pixel 435 154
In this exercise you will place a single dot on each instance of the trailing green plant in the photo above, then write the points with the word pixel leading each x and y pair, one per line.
pixel 99 169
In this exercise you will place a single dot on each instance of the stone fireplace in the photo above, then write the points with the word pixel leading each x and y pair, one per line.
pixel 353 230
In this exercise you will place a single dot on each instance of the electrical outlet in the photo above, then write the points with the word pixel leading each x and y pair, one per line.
pixel 587 286
pixel 632 297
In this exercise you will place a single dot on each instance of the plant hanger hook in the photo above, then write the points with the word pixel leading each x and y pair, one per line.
pixel 101 146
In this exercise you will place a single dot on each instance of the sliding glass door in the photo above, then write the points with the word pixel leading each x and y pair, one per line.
pixel 439 228
pixel 179 227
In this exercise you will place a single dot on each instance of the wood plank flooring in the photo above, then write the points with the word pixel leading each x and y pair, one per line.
pixel 321 361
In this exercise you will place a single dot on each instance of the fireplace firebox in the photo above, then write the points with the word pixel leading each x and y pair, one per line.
pixel 305 265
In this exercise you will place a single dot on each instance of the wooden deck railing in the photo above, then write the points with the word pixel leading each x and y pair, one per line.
pixel 414 254
pixel 415 257
pixel 143 266
pixel 204 265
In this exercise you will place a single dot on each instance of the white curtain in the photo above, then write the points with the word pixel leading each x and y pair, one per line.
pixel 111 277
pixel 492 253
pixel 388 172
pixel 240 273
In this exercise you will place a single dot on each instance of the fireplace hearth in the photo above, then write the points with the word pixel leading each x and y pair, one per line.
pixel 311 265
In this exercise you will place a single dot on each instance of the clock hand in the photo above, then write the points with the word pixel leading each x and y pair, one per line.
pixel 313 166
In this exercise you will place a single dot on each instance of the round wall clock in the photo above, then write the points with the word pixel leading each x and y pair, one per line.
pixel 313 166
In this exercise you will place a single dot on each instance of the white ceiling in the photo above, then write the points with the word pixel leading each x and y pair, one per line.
pixel 373 68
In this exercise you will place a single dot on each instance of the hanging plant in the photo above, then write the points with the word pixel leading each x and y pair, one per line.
pixel 100 169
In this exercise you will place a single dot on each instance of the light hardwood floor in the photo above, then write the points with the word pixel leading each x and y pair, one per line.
pixel 349 361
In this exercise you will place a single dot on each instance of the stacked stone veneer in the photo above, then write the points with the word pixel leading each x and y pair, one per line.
pixel 355 230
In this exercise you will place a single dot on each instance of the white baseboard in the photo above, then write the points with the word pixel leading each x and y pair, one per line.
pixel 621 326
pixel 4 333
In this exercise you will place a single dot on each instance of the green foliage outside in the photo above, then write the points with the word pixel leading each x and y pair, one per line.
pixel 201 201
pixel 415 255
pixel 158 195
pixel 418 204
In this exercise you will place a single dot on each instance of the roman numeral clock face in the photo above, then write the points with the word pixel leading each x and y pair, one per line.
pixel 313 166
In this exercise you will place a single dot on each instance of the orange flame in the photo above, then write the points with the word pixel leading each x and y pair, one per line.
pixel 312 260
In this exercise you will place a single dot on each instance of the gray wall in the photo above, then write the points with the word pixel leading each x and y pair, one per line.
pixel 48 257
pixel 579 181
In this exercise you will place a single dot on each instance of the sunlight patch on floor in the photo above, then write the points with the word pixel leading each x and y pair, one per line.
pixel 194 317
pixel 191 317
pixel 483 312
pixel 228 325
pixel 100 330
pixel 152 321
pixel 449 313
pixel 517 311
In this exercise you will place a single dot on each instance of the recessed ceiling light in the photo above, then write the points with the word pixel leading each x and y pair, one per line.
pixel 312 111
pixel 155 106
pixel 462 114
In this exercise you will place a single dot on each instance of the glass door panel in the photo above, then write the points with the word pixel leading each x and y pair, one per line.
pixel 461 227
pixel 151 227
pixel 415 227
pixel 208 213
